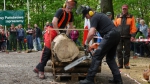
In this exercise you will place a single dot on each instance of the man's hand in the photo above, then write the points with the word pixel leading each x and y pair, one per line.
pixel 86 46
pixel 132 39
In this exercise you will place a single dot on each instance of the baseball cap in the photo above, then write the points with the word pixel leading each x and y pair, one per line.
pixel 108 13
pixel 125 6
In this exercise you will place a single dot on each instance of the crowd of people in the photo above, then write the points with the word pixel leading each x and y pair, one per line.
pixel 17 38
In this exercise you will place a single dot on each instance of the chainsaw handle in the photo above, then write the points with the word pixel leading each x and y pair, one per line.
pixel 90 53
pixel 87 53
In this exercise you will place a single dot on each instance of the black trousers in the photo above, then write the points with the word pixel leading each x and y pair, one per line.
pixel 123 59
pixel 107 47
pixel 44 58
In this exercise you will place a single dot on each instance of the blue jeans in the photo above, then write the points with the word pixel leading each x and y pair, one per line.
pixel 30 41
pixel 38 43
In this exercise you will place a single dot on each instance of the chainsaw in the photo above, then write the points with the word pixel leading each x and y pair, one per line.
pixel 88 55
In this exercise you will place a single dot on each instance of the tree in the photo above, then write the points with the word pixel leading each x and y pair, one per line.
pixel 106 5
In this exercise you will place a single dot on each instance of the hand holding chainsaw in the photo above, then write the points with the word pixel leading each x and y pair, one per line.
pixel 86 47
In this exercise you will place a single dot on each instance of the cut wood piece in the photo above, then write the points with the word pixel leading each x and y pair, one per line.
pixel 64 48
pixel 48 69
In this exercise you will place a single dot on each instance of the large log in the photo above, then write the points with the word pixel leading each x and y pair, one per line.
pixel 64 48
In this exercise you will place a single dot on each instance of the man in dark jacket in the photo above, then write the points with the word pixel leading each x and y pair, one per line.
pixel 107 47
pixel 125 24
pixel 38 34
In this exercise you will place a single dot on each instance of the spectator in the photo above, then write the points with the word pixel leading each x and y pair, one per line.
pixel 38 34
pixel 125 24
pixel 20 38
pixel 147 45
pixel 109 14
pixel 143 28
pixel 29 37
pixel 12 33
pixel 139 46
pixel 138 23
pixel 1 29
pixel 3 41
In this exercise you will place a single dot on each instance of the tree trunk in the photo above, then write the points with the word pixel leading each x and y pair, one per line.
pixel 106 6
pixel 64 48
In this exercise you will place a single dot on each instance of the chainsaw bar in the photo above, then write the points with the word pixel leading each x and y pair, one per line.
pixel 76 62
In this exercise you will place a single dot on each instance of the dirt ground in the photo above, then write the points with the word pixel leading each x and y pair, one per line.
pixel 16 68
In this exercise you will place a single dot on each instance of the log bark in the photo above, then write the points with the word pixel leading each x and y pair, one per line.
pixel 64 48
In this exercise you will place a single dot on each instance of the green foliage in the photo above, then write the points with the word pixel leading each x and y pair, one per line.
pixel 42 11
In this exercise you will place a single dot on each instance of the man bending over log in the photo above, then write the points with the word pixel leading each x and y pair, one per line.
pixel 63 16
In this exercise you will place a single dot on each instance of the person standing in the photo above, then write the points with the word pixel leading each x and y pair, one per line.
pixel 29 37
pixel 62 17
pixel 109 14
pixel 111 37
pixel 38 34
pixel 20 38
pixel 125 24
pixel 12 33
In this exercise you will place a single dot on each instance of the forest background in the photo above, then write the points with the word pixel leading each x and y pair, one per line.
pixel 42 11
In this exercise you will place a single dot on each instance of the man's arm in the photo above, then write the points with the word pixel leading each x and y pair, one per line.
pixel 55 24
pixel 91 33
pixel 70 26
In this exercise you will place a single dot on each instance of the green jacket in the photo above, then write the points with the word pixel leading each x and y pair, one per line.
pixel 139 34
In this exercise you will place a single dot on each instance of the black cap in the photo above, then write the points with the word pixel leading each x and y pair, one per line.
pixel 85 10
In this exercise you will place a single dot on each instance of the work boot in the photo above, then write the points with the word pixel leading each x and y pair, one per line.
pixel 115 82
pixel 85 81
pixel 127 67
pixel 120 67
pixel 41 75
pixel 36 70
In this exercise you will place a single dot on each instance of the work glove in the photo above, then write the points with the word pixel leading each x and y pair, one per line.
pixel 86 47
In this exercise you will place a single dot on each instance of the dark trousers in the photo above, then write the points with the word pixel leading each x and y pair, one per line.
pixel 147 49
pixel 30 41
pixel 123 55
pixel 139 48
pixel 21 43
pixel 44 58
pixel 107 47
pixel 12 43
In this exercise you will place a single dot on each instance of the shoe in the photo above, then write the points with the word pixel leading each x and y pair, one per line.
pixel 127 67
pixel 85 81
pixel 115 82
pixel 36 70
pixel 120 67
pixel 41 75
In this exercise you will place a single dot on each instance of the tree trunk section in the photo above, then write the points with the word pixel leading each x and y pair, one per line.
pixel 106 6
pixel 64 49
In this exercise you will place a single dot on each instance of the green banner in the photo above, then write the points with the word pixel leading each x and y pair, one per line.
pixel 9 17
pixel 1 18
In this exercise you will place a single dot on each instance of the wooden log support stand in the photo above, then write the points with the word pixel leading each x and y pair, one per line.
pixel 62 57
